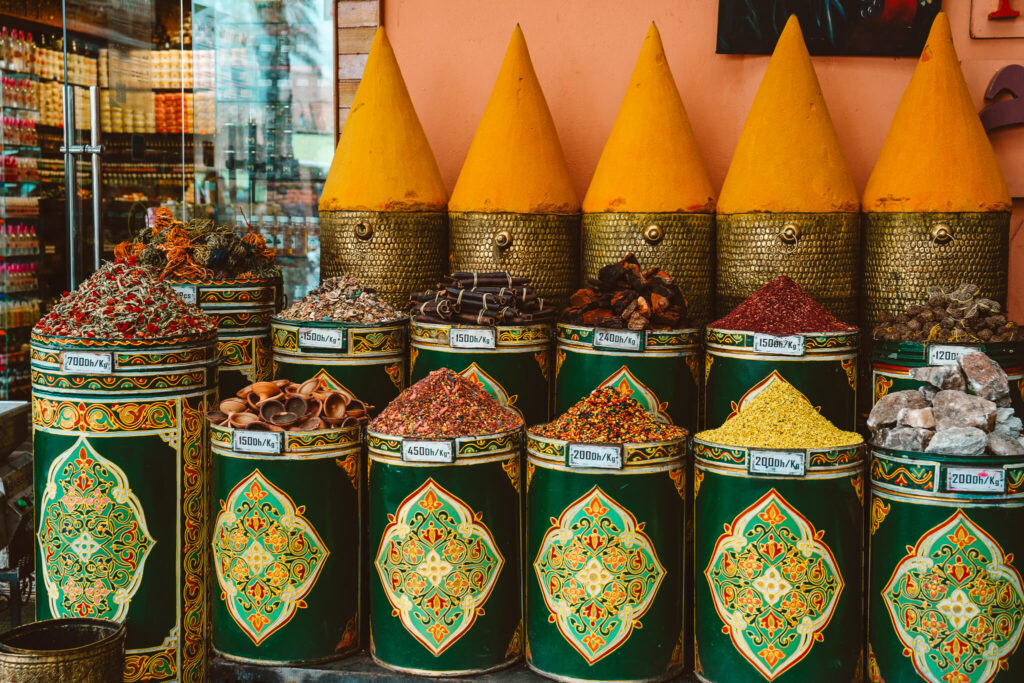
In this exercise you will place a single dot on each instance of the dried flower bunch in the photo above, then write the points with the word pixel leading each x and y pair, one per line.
pixel 342 300
pixel 283 405
pixel 624 296
pixel 957 315
pixel 200 250
pixel 124 300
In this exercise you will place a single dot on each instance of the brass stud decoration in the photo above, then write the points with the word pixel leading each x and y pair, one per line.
pixel 503 239
pixel 941 233
pixel 790 233
pixel 364 231
pixel 654 234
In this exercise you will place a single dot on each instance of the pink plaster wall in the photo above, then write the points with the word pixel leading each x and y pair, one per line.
pixel 584 51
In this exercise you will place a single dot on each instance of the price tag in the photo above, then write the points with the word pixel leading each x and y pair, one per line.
pixel 590 455
pixel 975 479
pixel 87 362
pixel 187 293
pixel 473 338
pixel 783 346
pixel 251 441
pixel 623 340
pixel 439 452
pixel 946 355
pixel 321 338
pixel 779 463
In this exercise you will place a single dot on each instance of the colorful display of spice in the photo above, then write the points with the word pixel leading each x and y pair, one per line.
pixel 200 250
pixel 625 297
pixel 481 299
pixel 957 315
pixel 124 300
pixel 781 307
pixel 342 300
pixel 779 416
pixel 942 417
pixel 283 405
pixel 608 416
pixel 445 405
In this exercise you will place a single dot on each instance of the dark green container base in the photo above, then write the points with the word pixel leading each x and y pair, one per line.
pixel 421 674
pixel 671 676
pixel 233 660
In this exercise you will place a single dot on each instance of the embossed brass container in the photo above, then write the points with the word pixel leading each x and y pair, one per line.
pixel 821 251
pixel 445 561
pixel 945 595
pixel 121 489
pixel 779 561
pixel 663 375
pixel 542 247
pixel 516 372
pixel 392 252
pixel 681 244
pixel 825 373
pixel 370 362
pixel 77 650
pixel 905 253
pixel 605 579
pixel 242 309
pixel 286 557
pixel 891 363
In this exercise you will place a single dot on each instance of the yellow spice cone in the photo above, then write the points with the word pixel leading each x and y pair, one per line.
pixel 936 157
pixel 788 157
pixel 515 163
pixel 383 161
pixel 651 163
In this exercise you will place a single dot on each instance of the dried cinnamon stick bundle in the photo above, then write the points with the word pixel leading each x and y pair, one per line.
pixel 481 299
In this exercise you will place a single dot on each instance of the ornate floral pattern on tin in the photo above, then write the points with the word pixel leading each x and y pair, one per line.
pixel 774 583
pixel 267 556
pixel 438 564
pixel 957 603
pixel 628 384
pixel 599 574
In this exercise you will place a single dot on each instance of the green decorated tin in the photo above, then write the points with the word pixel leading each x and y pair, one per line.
pixel 285 544
pixel 242 309
pixel 946 596
pixel 891 363
pixel 513 363
pixel 121 462
pixel 659 368
pixel 445 534
pixel 823 367
pixel 366 359
pixel 779 554
pixel 604 545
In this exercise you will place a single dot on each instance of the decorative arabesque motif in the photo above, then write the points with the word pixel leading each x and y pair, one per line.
pixel 478 376
pixel 957 603
pixel 599 574
pixel 438 564
pixel 774 584
pixel 267 556
pixel 628 384
pixel 92 536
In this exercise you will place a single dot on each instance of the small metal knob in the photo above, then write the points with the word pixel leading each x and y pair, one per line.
pixel 503 239
pixel 941 233
pixel 790 233
pixel 364 231
pixel 653 234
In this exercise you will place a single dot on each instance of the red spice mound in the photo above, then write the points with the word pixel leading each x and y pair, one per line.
pixel 781 307
pixel 445 405
pixel 607 416
pixel 123 300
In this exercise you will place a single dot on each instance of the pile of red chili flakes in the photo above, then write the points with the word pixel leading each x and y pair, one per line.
pixel 608 416
pixel 124 300
pixel 781 307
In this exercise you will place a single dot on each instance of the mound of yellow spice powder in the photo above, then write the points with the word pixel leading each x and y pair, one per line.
pixel 780 417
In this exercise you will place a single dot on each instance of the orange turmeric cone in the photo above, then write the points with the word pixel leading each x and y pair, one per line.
pixel 936 207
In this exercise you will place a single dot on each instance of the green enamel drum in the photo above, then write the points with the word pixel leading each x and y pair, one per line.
pixel 285 549
pixel 604 546
pixel 445 557
pixel 891 363
pixel 366 359
pixel 737 365
pixel 514 368
pixel 121 490
pixel 779 554
pixel 945 596
pixel 242 309
pixel 663 373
